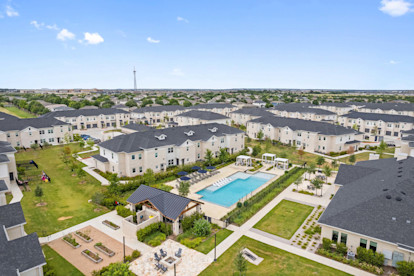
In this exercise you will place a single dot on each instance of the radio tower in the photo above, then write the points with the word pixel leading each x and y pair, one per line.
pixel 135 79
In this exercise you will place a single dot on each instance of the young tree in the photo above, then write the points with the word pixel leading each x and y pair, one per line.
pixel 223 155
pixel 300 153
pixel 327 171
pixel 320 161
pixel 39 192
pixel 311 169
pixel 256 150
pixel 149 177
pixel 298 181
pixel 352 158
pixel 334 163
pixel 240 263
pixel 317 183
pixel 260 135
pixel 67 138
pixel 80 172
pixel 184 188
pixel 381 148
pixel 209 157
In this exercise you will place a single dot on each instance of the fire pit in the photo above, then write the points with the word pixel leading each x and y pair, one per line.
pixel 170 261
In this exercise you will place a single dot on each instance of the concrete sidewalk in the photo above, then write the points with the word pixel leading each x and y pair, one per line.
pixel 16 192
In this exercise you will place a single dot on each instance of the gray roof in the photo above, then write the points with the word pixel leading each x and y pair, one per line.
pixel 100 158
pixel 4 158
pixel 19 254
pixel 411 131
pixel 169 204
pixel 3 186
pixel 373 193
pixel 380 117
pixel 174 136
pixel 6 147
pixel 85 112
pixel 203 115
pixel 254 111
pixel 20 124
pixel 211 106
pixel 137 127
pixel 11 215
pixel 302 108
pixel 159 108
pixel 4 116
pixel 390 106
pixel 305 125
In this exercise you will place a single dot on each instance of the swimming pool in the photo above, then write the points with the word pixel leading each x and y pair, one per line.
pixel 240 184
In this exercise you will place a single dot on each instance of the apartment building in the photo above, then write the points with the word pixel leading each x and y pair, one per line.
pixel 406 109
pixel 309 135
pixel 8 170
pixel 133 154
pixel 339 108
pixel 25 132
pixel 406 144
pixel 373 208
pixel 377 126
pixel 303 111
pixel 198 117
pixel 221 108
pixel 243 115
pixel 21 254
pixel 92 118
pixel 155 115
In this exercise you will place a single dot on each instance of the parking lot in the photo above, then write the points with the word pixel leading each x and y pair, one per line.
pixel 99 133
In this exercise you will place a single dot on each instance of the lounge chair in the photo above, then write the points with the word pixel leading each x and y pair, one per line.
pixel 178 253
pixel 163 253
pixel 158 266
pixel 156 257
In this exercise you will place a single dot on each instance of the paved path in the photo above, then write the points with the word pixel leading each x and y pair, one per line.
pixel 118 235
pixel 16 192
pixel 246 230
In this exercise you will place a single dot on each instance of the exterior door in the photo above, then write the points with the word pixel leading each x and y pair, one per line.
pixel 396 257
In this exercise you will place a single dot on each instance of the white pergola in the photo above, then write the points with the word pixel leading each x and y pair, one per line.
pixel 282 163
pixel 268 158
pixel 244 160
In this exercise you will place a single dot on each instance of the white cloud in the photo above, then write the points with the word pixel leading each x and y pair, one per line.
pixel 37 25
pixel 41 25
pixel 395 7
pixel 151 40
pixel 393 62
pixel 93 38
pixel 64 34
pixel 179 18
pixel 52 27
pixel 11 12
pixel 177 72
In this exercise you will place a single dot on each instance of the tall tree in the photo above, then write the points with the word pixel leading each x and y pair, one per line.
pixel 209 157
pixel 327 171
pixel 240 263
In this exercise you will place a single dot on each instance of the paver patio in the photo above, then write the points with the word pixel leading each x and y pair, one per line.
pixel 86 266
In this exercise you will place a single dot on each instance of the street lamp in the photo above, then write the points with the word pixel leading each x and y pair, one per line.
pixel 124 247
pixel 215 245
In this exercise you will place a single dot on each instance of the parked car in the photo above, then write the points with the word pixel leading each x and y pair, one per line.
pixel 85 136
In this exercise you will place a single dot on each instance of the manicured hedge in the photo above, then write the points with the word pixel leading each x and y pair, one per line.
pixel 152 228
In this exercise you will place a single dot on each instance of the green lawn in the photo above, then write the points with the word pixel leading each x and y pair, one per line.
pixel 285 219
pixel 59 264
pixel 9 197
pixel 208 244
pixel 276 262
pixel 88 154
pixel 390 150
pixel 291 153
pixel 12 110
pixel 363 157
pixel 66 196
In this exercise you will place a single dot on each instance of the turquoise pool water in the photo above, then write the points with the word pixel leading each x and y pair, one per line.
pixel 239 186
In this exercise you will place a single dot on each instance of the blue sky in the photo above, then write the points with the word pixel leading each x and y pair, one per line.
pixel 339 44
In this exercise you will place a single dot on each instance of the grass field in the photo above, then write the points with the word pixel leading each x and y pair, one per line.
pixel 285 219
pixel 59 264
pixel 208 245
pixel 363 157
pixel 66 196
pixel 9 197
pixel 281 150
pixel 276 262
pixel 88 154
pixel 12 110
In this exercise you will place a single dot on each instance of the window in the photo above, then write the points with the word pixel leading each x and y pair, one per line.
pixel 41 132
pixel 198 145
pixel 188 148
pixel 133 157
pixel 51 139
pixel 18 144
pixel 335 236
pixel 8 134
pixel 373 246
pixel 17 134
pixel 139 156
pixel 156 154
pixel 112 155
pixel 133 170
pixel 50 131
pixel 170 150
pixel 140 169
pixel 363 243
pixel 344 238
pixel 198 156
pixel 222 140
pixel 212 143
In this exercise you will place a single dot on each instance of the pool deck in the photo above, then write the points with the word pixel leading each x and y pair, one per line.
pixel 216 211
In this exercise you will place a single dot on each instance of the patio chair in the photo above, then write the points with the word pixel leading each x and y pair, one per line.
pixel 158 266
pixel 178 253
pixel 164 269
pixel 156 257
pixel 163 253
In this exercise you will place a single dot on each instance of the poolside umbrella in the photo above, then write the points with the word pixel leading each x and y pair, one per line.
pixel 202 171
pixel 184 178
pixel 182 173
pixel 210 168
pixel 196 168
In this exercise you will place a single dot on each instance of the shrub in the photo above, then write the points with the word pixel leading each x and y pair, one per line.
pixel 326 243
pixel 370 257
pixel 152 228
pixel 201 228
pixel 341 248
pixel 245 203
pixel 405 268
pixel 135 254
pixel 192 243
pixel 239 204
pixel 188 222
pixel 123 211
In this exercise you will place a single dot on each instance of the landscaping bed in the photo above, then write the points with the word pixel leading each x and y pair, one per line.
pixel 71 241
pixel 91 256
pixel 57 265
pixel 83 236
pixel 154 234
pixel 110 224
pixel 104 249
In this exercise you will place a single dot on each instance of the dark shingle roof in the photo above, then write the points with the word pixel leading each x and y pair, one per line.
pixel 5 116
pixel 160 108
pixel 4 158
pixel 11 214
pixel 169 204
pixel 380 117
pixel 302 108
pixel 174 136
pixel 138 127
pixel 3 186
pixel 212 106
pixel 305 125
pixel 374 193
pixel 85 112
pixel 203 115
pixel 20 124
pixel 254 111
pixel 6 147
pixel 100 158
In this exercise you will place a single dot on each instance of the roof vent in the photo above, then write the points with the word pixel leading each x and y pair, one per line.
pixel 388 197
pixel 400 168
pixel 399 171
pixel 403 193
pixel 394 218
pixel 190 133
pixel 399 175
pixel 398 198
pixel 161 137
pixel 408 221
pixel 384 190
pixel 214 129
